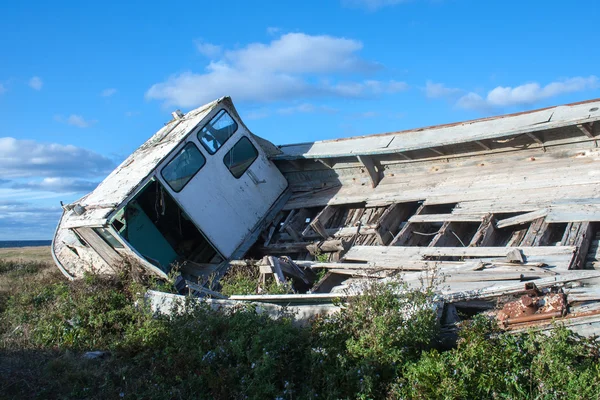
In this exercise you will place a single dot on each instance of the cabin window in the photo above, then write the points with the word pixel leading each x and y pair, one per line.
pixel 240 157
pixel 108 238
pixel 183 167
pixel 217 131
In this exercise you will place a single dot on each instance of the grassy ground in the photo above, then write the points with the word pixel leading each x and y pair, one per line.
pixel 379 346
pixel 41 254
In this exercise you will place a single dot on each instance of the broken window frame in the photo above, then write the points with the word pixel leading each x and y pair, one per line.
pixel 109 238
pixel 188 145
pixel 229 156
pixel 208 126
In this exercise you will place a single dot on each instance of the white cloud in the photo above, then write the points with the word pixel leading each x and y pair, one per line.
pixel 132 113
pixel 28 158
pixel 529 93
pixel 372 5
pixel 108 92
pixel 292 66
pixel 58 185
pixel 208 49
pixel 23 221
pixel 36 83
pixel 439 90
pixel 273 30
pixel 306 108
pixel 2 88
pixel 75 120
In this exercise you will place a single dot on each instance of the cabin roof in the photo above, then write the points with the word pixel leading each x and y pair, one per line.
pixel 128 176
pixel 448 134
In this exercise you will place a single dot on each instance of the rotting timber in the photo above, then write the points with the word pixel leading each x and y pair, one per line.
pixel 502 213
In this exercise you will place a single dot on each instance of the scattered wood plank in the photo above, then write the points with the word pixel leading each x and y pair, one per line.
pixel 521 219
pixel 446 218
pixel 318 223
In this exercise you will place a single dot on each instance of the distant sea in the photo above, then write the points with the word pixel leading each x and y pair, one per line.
pixel 24 243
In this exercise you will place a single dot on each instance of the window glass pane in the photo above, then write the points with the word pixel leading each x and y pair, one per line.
pixel 217 131
pixel 108 238
pixel 240 157
pixel 183 167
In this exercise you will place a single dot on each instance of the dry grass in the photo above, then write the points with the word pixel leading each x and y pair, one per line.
pixel 41 254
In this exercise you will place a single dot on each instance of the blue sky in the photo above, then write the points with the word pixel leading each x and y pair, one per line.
pixel 82 86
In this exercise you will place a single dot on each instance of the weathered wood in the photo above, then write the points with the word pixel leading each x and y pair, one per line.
pixel 328 282
pixel 534 231
pixel 483 145
pixel 446 218
pixel 521 219
pixel 318 223
pixel 405 231
pixel 580 235
pixel 390 220
pixel 372 253
pixel 587 130
pixel 105 251
pixel 326 162
pixel 485 234
pixel 371 168
pixel 297 247
pixel 345 232
pixel 535 138
pixel 276 268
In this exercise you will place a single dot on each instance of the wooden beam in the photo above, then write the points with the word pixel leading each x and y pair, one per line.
pixel 486 233
pixel 446 218
pixel 326 162
pixel 326 246
pixel 535 138
pixel 371 168
pixel 436 151
pixel 521 219
pixel 405 231
pixel 534 231
pixel 372 253
pixel 483 145
pixel 403 155
pixel 580 235
pixel 369 229
pixel 318 223
pixel 587 129
pixel 390 220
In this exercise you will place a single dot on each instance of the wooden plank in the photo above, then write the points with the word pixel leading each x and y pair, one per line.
pixel 485 234
pixel 390 220
pixel 345 232
pixel 534 231
pixel 521 219
pixel 326 162
pixel 587 130
pixel 445 218
pixel 581 236
pixel 276 267
pixel 483 145
pixel 371 168
pixel 372 253
pixel 298 247
pixel 439 238
pixel 318 223
pixel 535 138
pixel 104 250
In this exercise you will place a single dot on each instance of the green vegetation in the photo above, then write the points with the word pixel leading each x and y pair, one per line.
pixel 379 346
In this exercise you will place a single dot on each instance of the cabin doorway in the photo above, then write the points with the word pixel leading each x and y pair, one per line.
pixel 157 228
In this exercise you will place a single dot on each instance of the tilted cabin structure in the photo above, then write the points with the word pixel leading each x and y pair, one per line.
pixel 499 206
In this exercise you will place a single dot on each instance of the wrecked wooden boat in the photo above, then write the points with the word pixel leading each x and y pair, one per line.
pixel 499 215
